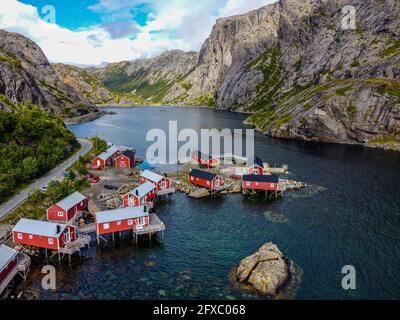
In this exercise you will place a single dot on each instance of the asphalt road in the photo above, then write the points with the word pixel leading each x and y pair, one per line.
pixel 54 174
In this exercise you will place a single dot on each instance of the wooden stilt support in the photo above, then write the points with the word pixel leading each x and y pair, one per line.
pixel 59 256
pixel 45 252
pixel 98 239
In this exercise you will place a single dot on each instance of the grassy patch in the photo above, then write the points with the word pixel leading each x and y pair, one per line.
pixel 391 51
pixel 351 110
pixel 283 120
pixel 342 91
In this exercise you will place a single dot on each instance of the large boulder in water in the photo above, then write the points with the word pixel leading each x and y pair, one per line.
pixel 268 271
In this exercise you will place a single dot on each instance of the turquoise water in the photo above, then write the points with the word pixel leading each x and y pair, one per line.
pixel 350 215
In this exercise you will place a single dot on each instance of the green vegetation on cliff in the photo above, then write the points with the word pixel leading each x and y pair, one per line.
pixel 32 142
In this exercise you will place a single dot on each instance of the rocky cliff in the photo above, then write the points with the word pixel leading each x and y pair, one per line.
pixel 294 66
pixel 27 76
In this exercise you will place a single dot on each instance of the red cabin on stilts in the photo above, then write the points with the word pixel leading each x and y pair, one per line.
pixel 8 260
pixel 140 195
pixel 67 209
pixel 122 219
pixel 161 182
pixel 260 182
pixel 43 234
pixel 205 179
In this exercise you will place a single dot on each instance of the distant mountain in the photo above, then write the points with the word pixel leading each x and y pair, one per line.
pixel 293 66
pixel 91 88
pixel 153 79
pixel 27 76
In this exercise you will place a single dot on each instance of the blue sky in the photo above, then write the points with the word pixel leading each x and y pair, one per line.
pixel 93 32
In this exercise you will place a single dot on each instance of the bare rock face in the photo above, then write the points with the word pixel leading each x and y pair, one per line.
pixel 268 271
pixel 27 76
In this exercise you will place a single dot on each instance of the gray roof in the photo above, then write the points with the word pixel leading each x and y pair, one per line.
pixel 143 189
pixel 121 214
pixel 152 176
pixel 104 156
pixel 70 201
pixel 112 150
pixel 6 254
pixel 39 227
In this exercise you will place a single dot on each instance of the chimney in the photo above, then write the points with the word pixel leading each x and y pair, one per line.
pixel 137 192
pixel 144 208
pixel 58 228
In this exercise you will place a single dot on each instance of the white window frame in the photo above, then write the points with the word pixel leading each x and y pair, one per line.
pixel 208 183
pixel 51 240
pixel 30 236
pixel 247 183
pixel 130 222
pixel 118 223
pixel 60 213
pixel 106 226
pixel 19 236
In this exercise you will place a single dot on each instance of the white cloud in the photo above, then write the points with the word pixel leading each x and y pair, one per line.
pixel 174 24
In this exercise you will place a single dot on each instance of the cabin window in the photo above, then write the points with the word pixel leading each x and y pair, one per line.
pixel 191 178
pixel 51 241
pixel 248 184
pixel 272 185
pixel 81 203
pixel 130 222
pixel 30 236
pixel 118 223
pixel 106 226
pixel 19 236
pixel 256 183
pixel 60 213
pixel 208 183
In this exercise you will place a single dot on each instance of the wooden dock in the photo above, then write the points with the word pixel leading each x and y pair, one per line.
pixel 79 243
pixel 21 268
pixel 155 225
pixel 165 191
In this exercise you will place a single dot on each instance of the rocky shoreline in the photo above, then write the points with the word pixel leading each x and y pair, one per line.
pixel 269 272
pixel 87 117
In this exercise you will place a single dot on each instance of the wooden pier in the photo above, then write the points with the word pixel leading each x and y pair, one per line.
pixel 166 191
pixel 155 226
pixel 21 268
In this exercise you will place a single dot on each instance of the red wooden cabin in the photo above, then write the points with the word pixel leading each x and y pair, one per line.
pixel 122 219
pixel 43 234
pixel 255 166
pixel 125 160
pixel 161 182
pixel 101 161
pixel 140 195
pixel 8 261
pixel 114 152
pixel 205 179
pixel 260 182
pixel 205 159
pixel 68 208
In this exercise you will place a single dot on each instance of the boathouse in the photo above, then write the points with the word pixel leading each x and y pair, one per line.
pixel 205 159
pixel 68 209
pixel 255 166
pixel 43 234
pixel 140 195
pixel 12 263
pixel 253 184
pixel 162 183
pixel 125 160
pixel 121 219
pixel 101 161
pixel 205 179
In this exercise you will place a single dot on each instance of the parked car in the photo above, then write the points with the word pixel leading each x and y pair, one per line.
pixel 110 187
pixel 92 178
pixel 235 177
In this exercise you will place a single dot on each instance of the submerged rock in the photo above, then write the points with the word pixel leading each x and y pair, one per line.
pixel 267 271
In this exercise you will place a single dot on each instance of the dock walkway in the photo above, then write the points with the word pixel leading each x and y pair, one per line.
pixel 21 268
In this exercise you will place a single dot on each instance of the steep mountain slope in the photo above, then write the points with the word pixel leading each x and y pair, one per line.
pixel 150 78
pixel 91 88
pixel 27 76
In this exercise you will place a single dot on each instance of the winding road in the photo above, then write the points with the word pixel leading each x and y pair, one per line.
pixel 54 174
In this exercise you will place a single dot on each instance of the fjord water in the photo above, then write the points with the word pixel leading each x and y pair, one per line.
pixel 349 216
